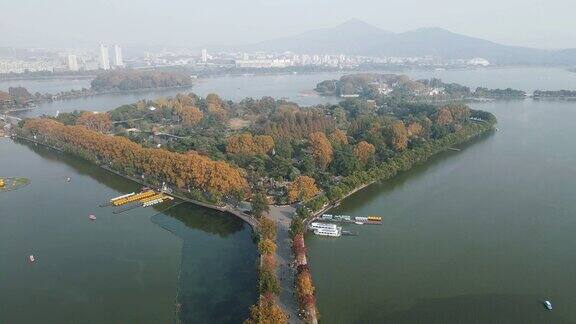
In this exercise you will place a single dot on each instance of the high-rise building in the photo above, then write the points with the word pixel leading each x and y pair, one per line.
pixel 204 56
pixel 104 57
pixel 118 61
pixel 72 62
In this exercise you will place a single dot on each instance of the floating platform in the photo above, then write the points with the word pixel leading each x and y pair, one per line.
pixel 146 198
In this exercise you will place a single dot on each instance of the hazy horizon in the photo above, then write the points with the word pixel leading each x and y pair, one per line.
pixel 66 23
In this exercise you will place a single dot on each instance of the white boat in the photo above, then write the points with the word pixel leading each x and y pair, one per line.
pixel 548 304
pixel 92 217
pixel 358 223
pixel 31 258
pixel 328 232
pixel 317 225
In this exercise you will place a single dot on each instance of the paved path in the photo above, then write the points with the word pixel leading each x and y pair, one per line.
pixel 287 299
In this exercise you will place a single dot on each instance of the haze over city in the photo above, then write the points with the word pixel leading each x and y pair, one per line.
pixel 66 23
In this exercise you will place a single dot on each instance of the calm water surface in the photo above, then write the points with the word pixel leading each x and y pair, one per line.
pixel 135 267
pixel 478 236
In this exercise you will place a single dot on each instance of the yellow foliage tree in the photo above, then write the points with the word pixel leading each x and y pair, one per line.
pixel 99 122
pixel 215 106
pixel 338 137
pixel 364 151
pixel 189 115
pixel 414 129
pixel 182 170
pixel 444 117
pixel 304 284
pixel 321 149
pixel 266 311
pixel 399 136
pixel 266 246
pixel 249 145
pixel 303 188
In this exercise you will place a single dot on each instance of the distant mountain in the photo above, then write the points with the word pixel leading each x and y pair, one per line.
pixel 351 37
pixel 356 37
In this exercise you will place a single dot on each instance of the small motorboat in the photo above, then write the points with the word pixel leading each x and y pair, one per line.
pixel 547 304
pixel 68 179
pixel 358 223
pixel 92 217
pixel 31 258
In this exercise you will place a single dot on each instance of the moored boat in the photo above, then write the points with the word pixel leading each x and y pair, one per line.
pixel 328 232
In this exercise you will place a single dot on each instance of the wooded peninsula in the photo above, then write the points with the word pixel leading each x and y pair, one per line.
pixel 264 151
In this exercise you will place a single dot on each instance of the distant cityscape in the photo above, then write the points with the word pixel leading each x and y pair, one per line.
pixel 106 57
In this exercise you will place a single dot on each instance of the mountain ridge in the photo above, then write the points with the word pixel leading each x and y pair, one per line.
pixel 356 37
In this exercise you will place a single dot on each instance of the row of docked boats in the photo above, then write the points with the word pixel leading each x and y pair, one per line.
pixel 349 219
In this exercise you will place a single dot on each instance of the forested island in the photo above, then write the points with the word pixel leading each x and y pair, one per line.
pixel 125 80
pixel 105 82
pixel 264 151
pixel 384 87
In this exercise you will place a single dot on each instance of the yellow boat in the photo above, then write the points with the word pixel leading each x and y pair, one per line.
pixel 136 197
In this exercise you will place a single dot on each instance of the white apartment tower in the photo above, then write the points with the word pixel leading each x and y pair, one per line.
pixel 72 62
pixel 104 57
pixel 204 56
pixel 118 61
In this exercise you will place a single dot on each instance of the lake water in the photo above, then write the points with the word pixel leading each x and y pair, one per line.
pixel 134 267
pixel 477 236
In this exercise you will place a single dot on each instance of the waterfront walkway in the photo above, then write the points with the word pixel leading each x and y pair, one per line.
pixel 282 215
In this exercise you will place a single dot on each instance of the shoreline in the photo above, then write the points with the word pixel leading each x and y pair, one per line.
pixel 330 205
pixel 225 209
pixel 336 203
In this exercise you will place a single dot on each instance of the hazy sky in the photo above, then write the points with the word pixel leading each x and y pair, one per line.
pixel 194 23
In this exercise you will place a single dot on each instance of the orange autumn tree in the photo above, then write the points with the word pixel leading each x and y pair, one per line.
pixel 338 137
pixel 460 112
pixel 189 115
pixel 250 145
pixel 414 129
pixel 399 136
pixel 444 117
pixel 303 188
pixel 215 106
pixel 95 121
pixel 321 149
pixel 304 284
pixel 185 171
pixel 266 311
pixel 264 143
pixel 364 151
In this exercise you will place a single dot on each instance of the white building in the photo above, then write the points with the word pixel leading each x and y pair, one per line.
pixel 264 63
pixel 204 56
pixel 104 57
pixel 118 61
pixel 478 61
pixel 72 62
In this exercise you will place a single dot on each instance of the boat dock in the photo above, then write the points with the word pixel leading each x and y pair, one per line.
pixel 359 220
pixel 145 198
